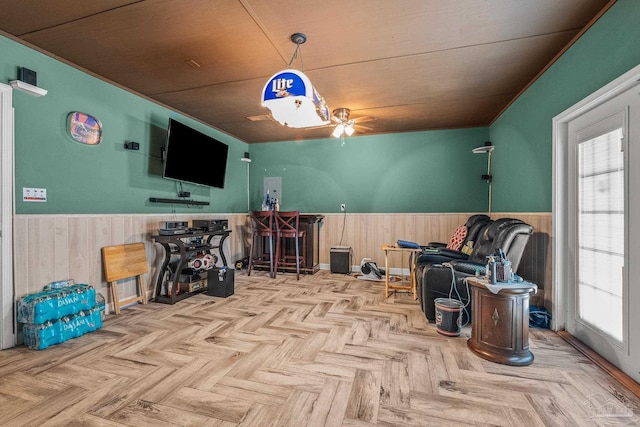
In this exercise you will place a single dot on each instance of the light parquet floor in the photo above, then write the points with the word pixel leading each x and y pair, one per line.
pixel 328 350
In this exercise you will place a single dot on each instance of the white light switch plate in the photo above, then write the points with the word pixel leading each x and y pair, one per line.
pixel 34 194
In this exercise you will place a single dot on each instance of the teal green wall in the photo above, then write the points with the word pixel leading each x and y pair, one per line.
pixel 104 178
pixel 406 172
pixel 524 132
pixel 431 171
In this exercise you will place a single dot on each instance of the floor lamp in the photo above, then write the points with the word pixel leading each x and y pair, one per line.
pixel 247 160
pixel 486 148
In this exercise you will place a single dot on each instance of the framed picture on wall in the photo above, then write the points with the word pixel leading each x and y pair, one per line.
pixel 84 128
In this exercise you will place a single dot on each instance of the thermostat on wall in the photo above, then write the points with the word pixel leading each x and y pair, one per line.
pixel 34 194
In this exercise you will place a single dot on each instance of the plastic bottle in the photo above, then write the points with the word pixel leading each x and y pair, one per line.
pixel 493 272
pixel 491 269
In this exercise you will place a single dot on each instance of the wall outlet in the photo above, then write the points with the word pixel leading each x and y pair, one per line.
pixel 343 207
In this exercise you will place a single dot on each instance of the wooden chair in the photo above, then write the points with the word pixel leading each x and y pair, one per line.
pixel 288 227
pixel 123 262
pixel 261 226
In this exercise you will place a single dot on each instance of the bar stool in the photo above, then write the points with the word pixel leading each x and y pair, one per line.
pixel 287 227
pixel 261 226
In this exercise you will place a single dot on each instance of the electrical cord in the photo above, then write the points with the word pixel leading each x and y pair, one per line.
pixel 454 287
pixel 344 222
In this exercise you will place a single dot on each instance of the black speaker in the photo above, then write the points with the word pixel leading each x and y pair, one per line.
pixel 340 259
pixel 28 76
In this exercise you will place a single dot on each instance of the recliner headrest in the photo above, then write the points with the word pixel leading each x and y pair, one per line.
pixel 474 219
pixel 476 228
pixel 497 225
pixel 501 234
pixel 506 237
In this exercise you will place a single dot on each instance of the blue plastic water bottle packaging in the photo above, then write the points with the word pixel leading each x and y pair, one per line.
pixel 62 311
pixel 55 303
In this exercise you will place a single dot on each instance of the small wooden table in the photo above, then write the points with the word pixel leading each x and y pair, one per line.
pixel 402 286
pixel 500 321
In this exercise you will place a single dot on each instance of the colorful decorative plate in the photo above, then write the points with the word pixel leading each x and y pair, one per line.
pixel 84 128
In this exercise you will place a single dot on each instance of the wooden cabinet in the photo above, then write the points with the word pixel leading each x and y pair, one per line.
pixel 500 322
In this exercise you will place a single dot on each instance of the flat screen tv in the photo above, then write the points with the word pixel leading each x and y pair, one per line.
pixel 194 157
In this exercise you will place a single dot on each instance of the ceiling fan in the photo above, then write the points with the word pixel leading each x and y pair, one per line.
pixel 345 125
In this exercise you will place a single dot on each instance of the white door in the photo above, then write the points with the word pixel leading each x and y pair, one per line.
pixel 7 317
pixel 603 234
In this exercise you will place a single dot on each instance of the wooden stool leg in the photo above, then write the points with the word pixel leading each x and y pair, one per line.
pixel 271 257
pixel 253 240
pixel 142 289
pixel 297 258
pixel 304 250
pixel 114 297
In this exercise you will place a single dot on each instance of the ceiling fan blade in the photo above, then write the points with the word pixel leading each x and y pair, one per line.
pixel 320 126
pixel 259 118
pixel 363 119
pixel 361 128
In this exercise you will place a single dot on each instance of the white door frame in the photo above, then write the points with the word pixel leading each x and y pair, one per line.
pixel 7 211
pixel 560 215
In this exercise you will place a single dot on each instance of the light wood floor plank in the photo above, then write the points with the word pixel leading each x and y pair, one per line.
pixel 327 350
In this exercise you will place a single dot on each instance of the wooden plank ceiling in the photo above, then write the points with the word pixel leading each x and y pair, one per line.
pixel 411 64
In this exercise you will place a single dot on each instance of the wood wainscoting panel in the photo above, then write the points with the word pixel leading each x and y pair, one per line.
pixel 57 247
pixel 366 233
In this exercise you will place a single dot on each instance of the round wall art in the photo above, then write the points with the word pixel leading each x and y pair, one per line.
pixel 84 128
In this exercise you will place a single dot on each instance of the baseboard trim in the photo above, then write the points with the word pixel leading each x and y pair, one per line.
pixel 602 363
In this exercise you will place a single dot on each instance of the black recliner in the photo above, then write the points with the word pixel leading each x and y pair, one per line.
pixel 435 280
pixel 436 252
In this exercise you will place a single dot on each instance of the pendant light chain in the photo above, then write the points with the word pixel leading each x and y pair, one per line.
pixel 295 55
pixel 298 39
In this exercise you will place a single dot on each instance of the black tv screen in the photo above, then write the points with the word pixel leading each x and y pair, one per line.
pixel 194 157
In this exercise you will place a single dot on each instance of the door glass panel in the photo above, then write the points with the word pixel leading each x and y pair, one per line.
pixel 601 239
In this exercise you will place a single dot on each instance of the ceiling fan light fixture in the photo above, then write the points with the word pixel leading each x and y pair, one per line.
pixel 344 126
pixel 349 129
pixel 337 132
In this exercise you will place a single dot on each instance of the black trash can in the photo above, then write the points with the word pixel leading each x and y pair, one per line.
pixel 220 282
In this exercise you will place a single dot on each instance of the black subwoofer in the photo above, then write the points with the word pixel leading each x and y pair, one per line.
pixel 220 282
pixel 340 259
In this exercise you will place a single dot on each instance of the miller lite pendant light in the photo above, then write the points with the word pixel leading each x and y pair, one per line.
pixel 292 99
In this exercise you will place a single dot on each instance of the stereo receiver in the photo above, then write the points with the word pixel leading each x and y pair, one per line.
pixel 170 225
pixel 211 224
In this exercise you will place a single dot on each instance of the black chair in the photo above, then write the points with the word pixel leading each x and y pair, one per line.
pixel 474 224
pixel 437 252
pixel 435 281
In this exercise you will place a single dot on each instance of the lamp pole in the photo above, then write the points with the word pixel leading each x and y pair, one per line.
pixel 490 179
pixel 486 148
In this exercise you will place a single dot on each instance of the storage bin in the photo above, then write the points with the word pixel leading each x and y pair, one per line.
pixel 220 282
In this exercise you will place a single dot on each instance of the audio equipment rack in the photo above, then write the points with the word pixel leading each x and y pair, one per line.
pixel 176 245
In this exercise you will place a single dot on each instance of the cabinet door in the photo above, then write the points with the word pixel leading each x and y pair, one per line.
pixel 497 320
